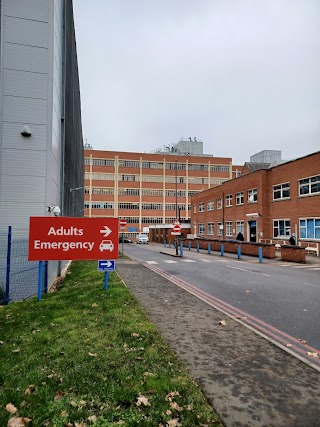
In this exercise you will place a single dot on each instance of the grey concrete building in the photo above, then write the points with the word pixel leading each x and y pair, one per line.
pixel 41 147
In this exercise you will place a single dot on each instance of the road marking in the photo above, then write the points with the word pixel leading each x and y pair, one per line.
pixel 151 262
pixel 188 260
pixel 299 266
pixel 249 271
pixel 206 260
pixel 310 284
pixel 171 262
pixel 314 269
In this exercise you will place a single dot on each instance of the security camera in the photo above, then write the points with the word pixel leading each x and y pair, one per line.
pixel 56 211
pixel 26 131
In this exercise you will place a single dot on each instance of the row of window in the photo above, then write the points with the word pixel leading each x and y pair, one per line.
pixel 147 220
pixel 136 206
pixel 281 191
pixel 154 178
pixel 158 165
pixel 309 228
pixel 136 192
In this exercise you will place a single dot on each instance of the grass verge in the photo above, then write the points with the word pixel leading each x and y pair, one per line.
pixel 84 356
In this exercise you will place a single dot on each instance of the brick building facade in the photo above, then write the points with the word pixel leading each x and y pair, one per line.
pixel 141 187
pixel 267 204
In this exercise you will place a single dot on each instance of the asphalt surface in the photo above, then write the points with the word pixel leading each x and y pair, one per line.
pixel 248 380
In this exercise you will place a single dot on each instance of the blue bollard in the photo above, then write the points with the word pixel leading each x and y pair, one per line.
pixel 222 250
pixel 198 247
pixel 260 255
pixel 189 246
pixel 40 281
pixel 209 248
pixel 181 249
pixel 164 243
pixel 239 252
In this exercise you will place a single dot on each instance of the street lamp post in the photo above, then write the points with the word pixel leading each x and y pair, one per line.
pixel 176 203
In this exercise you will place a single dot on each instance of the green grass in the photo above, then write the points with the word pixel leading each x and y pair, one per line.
pixel 128 359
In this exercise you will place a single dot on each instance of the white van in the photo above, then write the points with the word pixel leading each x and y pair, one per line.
pixel 142 238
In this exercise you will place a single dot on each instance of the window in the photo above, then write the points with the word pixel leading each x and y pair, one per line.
pixel 201 207
pixel 210 206
pixel 128 206
pixel 218 168
pixel 129 178
pixel 201 228
pixel 252 195
pixel 229 228
pixel 196 167
pixel 149 192
pixel 179 166
pixel 219 203
pixel 152 165
pixel 152 206
pixel 128 191
pixel 99 162
pixel 281 228
pixel 220 228
pixel 229 200
pixel 129 163
pixel 97 190
pixel 210 228
pixel 240 198
pixel 309 228
pixel 240 227
pixel 99 205
pixel 309 185
pixel 281 191
pixel 99 176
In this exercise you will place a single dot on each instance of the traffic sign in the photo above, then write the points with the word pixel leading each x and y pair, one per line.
pixel 61 238
pixel 177 228
pixel 122 222
pixel 106 265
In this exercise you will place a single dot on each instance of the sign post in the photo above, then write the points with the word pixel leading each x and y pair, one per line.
pixel 176 232
pixel 122 224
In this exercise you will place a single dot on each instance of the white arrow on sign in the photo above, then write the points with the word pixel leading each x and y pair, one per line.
pixel 106 232
pixel 106 264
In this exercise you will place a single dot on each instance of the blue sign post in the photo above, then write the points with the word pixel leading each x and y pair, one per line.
pixel 106 266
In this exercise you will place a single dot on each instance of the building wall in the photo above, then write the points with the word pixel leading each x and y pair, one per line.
pixel 127 179
pixel 266 209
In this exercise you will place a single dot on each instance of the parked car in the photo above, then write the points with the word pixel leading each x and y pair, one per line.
pixel 125 240
pixel 142 238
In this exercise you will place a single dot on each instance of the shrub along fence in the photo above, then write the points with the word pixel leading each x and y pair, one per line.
pixel 18 277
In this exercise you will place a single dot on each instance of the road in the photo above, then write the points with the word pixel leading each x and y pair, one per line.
pixel 280 300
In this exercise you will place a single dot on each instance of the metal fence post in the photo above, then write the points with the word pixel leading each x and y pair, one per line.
pixel 40 280
pixel 46 277
pixel 8 265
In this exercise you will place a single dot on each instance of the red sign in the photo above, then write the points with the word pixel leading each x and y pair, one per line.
pixel 177 228
pixel 122 222
pixel 65 238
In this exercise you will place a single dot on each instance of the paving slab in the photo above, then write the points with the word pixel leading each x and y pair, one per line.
pixel 248 380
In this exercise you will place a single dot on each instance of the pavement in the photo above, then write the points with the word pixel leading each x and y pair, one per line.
pixel 247 379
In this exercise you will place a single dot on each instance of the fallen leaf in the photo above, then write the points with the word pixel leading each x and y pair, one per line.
pixel 50 375
pixel 174 405
pixel 190 407
pixel 135 334
pixel 289 345
pixel 83 402
pixel 18 421
pixel 247 291
pixel 173 423
pixel 1 342
pixel 142 400
pixel 309 353
pixel 73 403
pixel 23 404
pixel 92 354
pixel 121 423
pixel 149 374
pixel 168 412
pixel 17 350
pixel 29 389
pixel 172 394
pixel 11 408
pixel 95 305
pixel 92 418
pixel 68 424
pixel 222 322
pixel 78 425
pixel 64 414
pixel 59 395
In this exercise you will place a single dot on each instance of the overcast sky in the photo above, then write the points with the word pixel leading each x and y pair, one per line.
pixel 241 75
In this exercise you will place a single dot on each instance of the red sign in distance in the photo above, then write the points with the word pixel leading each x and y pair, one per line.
pixel 177 228
pixel 122 222
pixel 61 238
